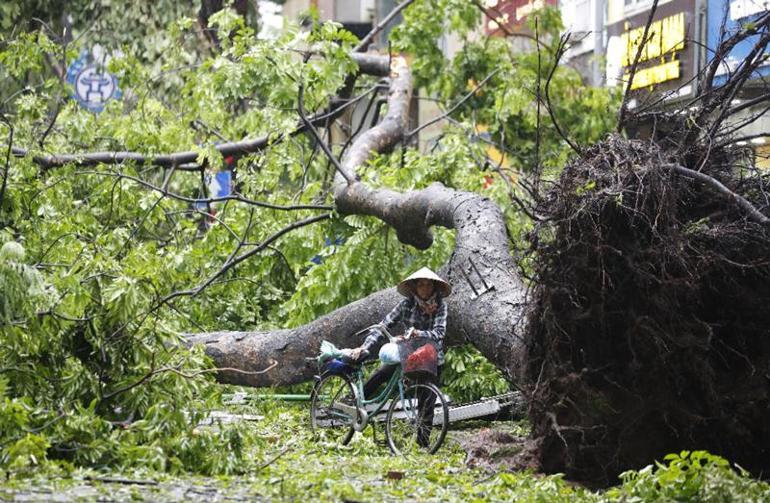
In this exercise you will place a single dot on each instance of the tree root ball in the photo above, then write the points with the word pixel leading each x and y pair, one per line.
pixel 650 328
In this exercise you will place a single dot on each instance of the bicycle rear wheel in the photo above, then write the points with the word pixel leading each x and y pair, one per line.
pixel 333 409
pixel 417 423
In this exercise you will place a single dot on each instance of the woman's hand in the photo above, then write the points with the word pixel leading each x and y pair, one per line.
pixel 358 353
pixel 411 332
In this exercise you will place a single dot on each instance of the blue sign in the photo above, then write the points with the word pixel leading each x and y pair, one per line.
pixel 219 185
pixel 734 14
pixel 92 85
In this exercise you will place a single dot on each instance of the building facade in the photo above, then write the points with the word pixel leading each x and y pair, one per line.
pixel 672 56
pixel 355 15
pixel 683 38
pixel 584 20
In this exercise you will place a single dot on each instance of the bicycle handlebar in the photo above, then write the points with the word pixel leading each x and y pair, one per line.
pixel 379 327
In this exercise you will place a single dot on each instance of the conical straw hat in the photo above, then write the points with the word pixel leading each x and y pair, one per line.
pixel 406 289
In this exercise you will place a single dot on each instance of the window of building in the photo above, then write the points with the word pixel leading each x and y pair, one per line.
pixel 583 16
pixel 636 4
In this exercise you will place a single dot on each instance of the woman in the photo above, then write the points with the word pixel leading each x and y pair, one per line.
pixel 425 313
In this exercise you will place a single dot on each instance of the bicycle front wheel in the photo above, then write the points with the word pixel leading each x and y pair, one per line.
pixel 333 409
pixel 417 423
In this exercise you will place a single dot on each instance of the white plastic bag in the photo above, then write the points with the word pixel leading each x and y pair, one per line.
pixel 389 354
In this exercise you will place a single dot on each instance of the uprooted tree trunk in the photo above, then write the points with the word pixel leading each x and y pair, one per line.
pixel 493 321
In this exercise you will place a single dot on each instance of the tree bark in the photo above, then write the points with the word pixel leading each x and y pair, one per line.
pixel 488 303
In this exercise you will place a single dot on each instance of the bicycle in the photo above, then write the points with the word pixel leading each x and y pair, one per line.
pixel 338 408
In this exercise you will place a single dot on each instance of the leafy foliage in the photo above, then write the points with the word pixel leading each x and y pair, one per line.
pixel 91 369
pixel 468 376
pixel 284 462
pixel 71 370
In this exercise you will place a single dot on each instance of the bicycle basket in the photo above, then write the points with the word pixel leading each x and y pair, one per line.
pixel 422 358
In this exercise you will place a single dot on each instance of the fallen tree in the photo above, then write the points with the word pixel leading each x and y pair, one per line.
pixel 648 328
pixel 492 321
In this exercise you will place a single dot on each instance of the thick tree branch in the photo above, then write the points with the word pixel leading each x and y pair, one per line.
pixel 390 131
pixel 369 64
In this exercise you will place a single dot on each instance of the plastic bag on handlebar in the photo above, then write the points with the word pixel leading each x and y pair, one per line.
pixel 390 354
pixel 329 352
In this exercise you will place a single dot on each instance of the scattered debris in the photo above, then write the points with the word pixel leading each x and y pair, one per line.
pixel 121 480
pixel 217 417
pixel 394 475
pixel 493 448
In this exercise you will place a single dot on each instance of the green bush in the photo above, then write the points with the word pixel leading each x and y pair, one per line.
pixel 690 476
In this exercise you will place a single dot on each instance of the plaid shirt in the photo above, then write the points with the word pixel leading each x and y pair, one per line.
pixel 427 325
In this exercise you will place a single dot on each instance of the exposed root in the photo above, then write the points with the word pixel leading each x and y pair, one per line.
pixel 651 326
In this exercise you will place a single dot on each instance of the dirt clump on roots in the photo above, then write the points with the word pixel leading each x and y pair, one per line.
pixel 651 314
pixel 497 446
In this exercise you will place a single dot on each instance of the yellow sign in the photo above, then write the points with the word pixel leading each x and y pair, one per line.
pixel 648 76
pixel 664 36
